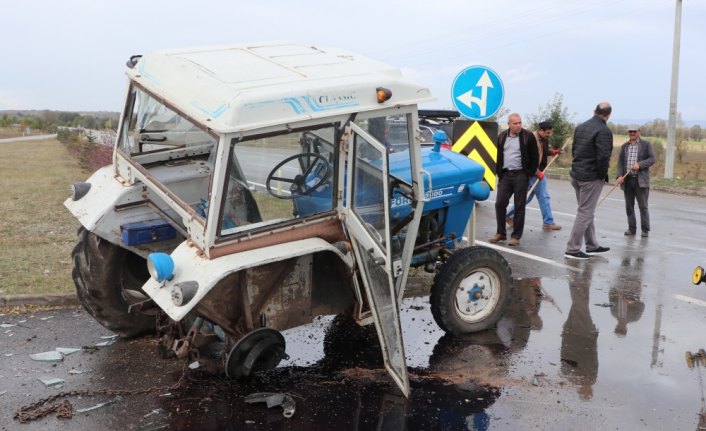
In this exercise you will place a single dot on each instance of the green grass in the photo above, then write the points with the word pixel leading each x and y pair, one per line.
pixel 36 232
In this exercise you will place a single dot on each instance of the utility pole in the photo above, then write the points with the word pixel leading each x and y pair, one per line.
pixel 672 125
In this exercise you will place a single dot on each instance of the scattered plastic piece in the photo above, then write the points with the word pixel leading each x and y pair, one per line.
pixel 194 365
pixel 73 371
pixel 105 343
pixel 154 412
pixel 101 405
pixel 3 393
pixel 46 318
pixel 109 337
pixel 274 399
pixel 66 351
pixel 7 325
pixel 9 354
pixel 51 381
pixel 52 356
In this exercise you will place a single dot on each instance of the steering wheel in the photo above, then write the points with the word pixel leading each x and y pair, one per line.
pixel 301 184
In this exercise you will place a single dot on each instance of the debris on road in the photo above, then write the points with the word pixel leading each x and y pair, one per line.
pixel 99 406
pixel 105 343
pixel 274 399
pixel 66 351
pixel 51 381
pixel 51 356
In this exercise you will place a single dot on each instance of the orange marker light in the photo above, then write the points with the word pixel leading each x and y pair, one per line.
pixel 383 94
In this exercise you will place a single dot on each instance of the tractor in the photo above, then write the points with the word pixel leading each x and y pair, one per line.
pixel 255 187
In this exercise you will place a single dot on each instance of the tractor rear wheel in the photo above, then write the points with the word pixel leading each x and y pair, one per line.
pixel 471 291
pixel 108 281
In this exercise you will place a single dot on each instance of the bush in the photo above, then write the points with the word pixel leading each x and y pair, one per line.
pixel 658 147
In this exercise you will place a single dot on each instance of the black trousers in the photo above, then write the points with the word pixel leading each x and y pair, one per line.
pixel 512 183
pixel 633 192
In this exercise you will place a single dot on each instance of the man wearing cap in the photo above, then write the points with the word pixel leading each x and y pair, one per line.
pixel 542 135
pixel 636 157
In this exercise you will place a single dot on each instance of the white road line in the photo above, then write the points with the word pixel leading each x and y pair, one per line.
pixel 689 300
pixel 527 255
pixel 537 209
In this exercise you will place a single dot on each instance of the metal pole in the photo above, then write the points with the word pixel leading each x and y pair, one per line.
pixel 470 233
pixel 672 125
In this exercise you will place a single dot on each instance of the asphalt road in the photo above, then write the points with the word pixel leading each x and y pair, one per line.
pixel 28 138
pixel 601 347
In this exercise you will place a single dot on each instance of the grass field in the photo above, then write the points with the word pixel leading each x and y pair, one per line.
pixel 688 173
pixel 36 232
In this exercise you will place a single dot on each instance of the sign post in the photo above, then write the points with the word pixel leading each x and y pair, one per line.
pixel 478 93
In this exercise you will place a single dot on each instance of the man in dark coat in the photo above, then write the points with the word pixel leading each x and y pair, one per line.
pixel 591 150
pixel 636 157
pixel 518 158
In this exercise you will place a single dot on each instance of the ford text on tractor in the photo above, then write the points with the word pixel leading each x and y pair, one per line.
pixel 255 187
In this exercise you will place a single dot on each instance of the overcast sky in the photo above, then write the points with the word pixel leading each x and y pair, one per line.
pixel 70 54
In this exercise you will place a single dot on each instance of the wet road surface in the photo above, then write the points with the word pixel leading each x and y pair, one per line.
pixel 596 344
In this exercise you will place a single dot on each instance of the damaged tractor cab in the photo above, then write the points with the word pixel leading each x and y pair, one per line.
pixel 254 188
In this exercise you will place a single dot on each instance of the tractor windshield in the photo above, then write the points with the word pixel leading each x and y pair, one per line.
pixel 151 126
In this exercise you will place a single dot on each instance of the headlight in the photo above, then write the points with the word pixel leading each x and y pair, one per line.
pixel 160 266
pixel 79 190
pixel 480 190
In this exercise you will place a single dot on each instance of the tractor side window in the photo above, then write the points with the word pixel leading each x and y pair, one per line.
pixel 390 130
pixel 278 178
pixel 368 193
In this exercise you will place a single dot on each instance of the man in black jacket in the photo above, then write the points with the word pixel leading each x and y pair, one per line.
pixel 591 150
pixel 518 158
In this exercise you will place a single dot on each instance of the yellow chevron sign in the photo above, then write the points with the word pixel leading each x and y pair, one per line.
pixel 476 140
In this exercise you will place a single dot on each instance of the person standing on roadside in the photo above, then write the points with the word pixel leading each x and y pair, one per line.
pixel 517 163
pixel 541 190
pixel 636 157
pixel 591 150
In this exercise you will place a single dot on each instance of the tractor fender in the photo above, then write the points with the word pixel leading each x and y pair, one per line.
pixel 96 210
pixel 192 266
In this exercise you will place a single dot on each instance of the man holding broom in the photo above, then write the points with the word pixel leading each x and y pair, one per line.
pixel 633 176
pixel 540 189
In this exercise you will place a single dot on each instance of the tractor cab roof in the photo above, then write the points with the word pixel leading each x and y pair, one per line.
pixel 237 88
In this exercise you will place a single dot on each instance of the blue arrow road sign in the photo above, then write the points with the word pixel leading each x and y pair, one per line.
pixel 477 92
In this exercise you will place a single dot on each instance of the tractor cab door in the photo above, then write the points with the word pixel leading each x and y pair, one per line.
pixel 367 218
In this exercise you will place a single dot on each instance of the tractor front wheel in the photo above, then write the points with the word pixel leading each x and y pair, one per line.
pixel 471 291
pixel 108 281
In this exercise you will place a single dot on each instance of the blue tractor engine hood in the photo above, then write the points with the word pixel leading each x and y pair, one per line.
pixel 456 183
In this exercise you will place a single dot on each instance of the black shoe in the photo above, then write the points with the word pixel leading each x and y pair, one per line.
pixel 645 234
pixel 576 255
pixel 598 250
pixel 629 233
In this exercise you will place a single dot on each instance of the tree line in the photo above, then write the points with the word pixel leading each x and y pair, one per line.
pixel 49 121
